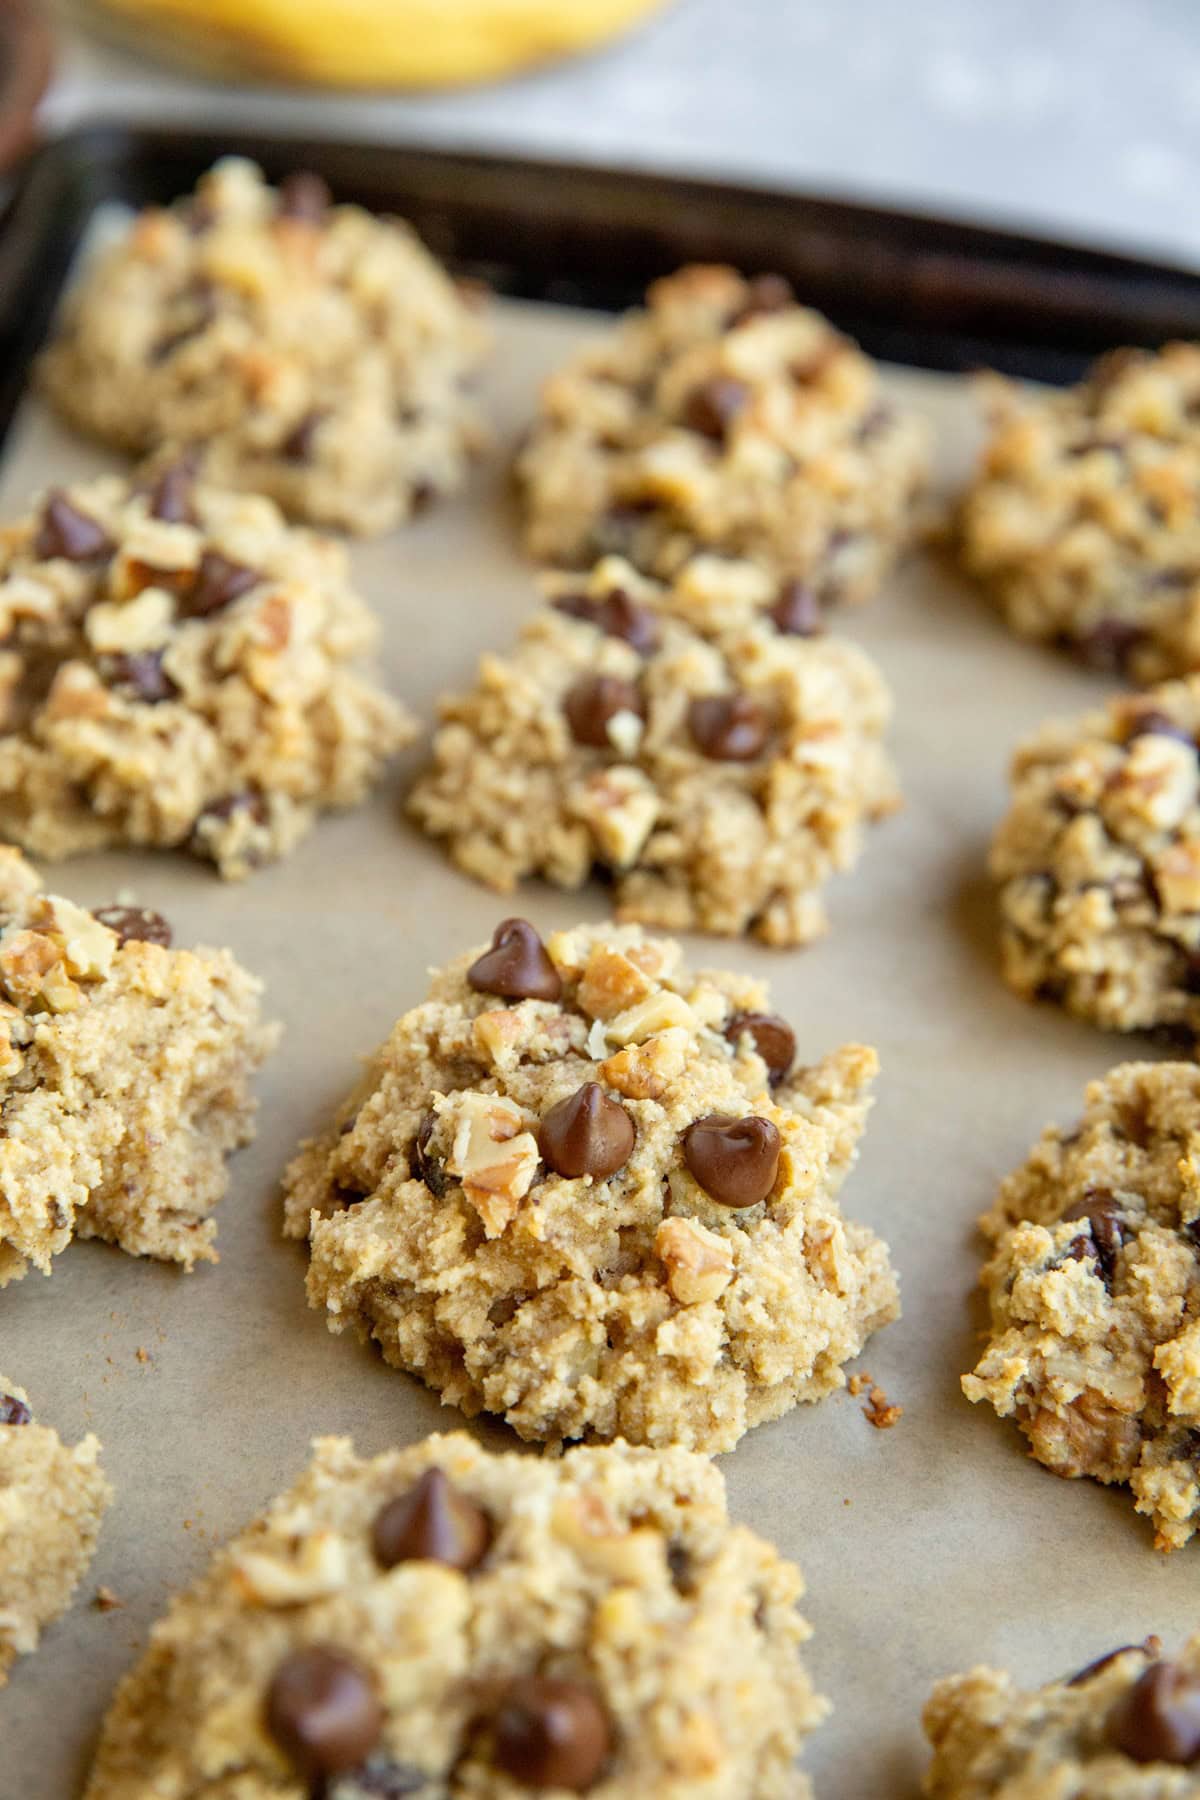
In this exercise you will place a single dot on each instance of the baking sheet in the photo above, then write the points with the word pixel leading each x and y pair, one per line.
pixel 928 1547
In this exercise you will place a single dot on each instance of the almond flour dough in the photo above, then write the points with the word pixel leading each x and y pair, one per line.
pixel 124 1078
pixel 724 417
pixel 51 1503
pixel 719 767
pixel 1084 520
pixel 445 1623
pixel 1094 1288
pixel 1098 862
pixel 594 1195
pixel 176 670
pixel 317 354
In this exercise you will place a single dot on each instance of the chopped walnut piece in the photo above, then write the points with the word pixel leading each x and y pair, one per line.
pixel 35 973
pixel 491 1153
pixel 646 1071
pixel 583 1522
pixel 619 807
pixel 318 1568
pixel 1177 877
pixel 699 1264
pixel 611 982
pixel 658 1012
pixel 879 1411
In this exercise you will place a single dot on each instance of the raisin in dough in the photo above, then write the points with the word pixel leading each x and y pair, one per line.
pixel 125 1073
pixel 441 1601
pixel 687 740
pixel 177 670
pixel 724 417
pixel 1098 862
pixel 585 1188
pixel 51 1503
pixel 1084 521
pixel 1094 1287
pixel 319 355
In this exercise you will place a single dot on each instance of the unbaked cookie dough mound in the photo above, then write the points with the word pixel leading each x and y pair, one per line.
pixel 441 1622
pixel 1094 1288
pixel 724 417
pixel 1084 520
pixel 177 670
pixel 51 1503
pixel 702 745
pixel 1126 1727
pixel 125 1072
pixel 316 353
pixel 588 1189
pixel 1098 862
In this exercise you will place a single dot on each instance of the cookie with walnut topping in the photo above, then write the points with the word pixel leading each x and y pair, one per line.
pixel 588 1189
pixel 438 1621
pixel 177 670
pixel 1094 1288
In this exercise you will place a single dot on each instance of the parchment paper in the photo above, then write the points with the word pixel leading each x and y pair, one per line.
pixel 928 1547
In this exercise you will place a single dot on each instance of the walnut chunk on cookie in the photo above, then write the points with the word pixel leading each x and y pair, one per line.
pixel 724 417
pixel 717 767
pixel 125 1072
pixel 572 1190
pixel 438 1620
pixel 318 354
pixel 1094 1288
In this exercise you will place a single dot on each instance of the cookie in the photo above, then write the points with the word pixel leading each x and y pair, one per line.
pixel 1094 1290
pixel 1082 523
pixel 724 417
pixel 701 745
pixel 589 1190
pixel 51 1503
pixel 177 671
pixel 318 354
pixel 442 1622
pixel 125 1073
pixel 1126 1727
pixel 1098 863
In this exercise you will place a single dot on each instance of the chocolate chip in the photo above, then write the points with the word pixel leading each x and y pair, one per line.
pixel 433 1522
pixel 304 196
pixel 728 727
pixel 13 1411
pixel 171 495
pixel 1106 1224
pixel 298 445
pixel 711 408
pixel 1150 1646
pixel 552 1733
pixel 588 1133
pixel 616 615
pixel 772 1036
pixel 797 611
pixel 517 967
pixel 322 1711
pixel 69 533
pixel 141 675
pixel 681 1567
pixel 135 924
pixel 1109 645
pixel 765 294
pixel 734 1160
pixel 430 1169
pixel 1158 1718
pixel 219 582
pixel 592 701
pixel 1153 723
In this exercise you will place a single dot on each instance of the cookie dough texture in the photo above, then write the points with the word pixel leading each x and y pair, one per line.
pixel 52 1500
pixel 319 354
pixel 724 417
pixel 124 1080
pixel 1094 1290
pixel 1098 863
pixel 635 1305
pixel 617 1568
pixel 1083 522
pixel 692 837
pixel 177 670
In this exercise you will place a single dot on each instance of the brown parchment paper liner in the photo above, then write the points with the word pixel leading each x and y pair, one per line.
pixel 927 1547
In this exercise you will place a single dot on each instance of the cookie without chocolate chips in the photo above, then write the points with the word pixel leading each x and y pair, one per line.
pixel 439 1621
pixel 1098 862
pixel 1126 1727
pixel 177 670
pixel 1084 520
pixel 585 1188
pixel 724 417
pixel 701 743
pixel 1094 1287
pixel 51 1503
pixel 125 1073
pixel 317 354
